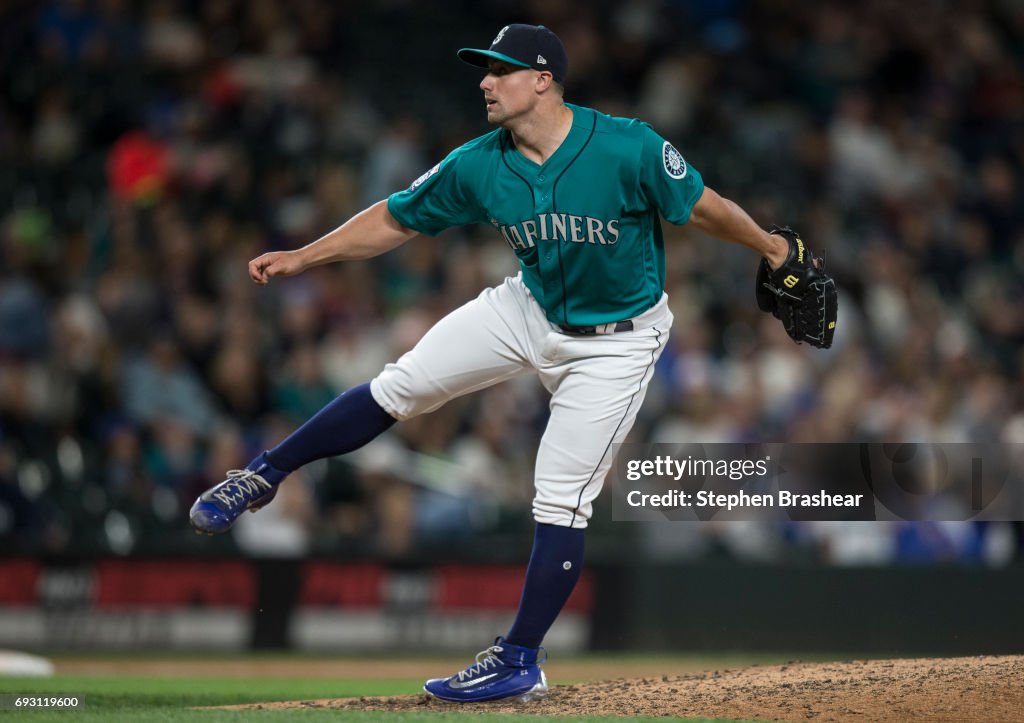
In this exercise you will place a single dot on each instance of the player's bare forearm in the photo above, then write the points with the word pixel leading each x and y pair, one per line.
pixel 721 218
pixel 367 234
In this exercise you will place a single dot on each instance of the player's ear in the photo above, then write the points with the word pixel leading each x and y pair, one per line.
pixel 544 81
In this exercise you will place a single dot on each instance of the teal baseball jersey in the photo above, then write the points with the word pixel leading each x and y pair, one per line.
pixel 585 224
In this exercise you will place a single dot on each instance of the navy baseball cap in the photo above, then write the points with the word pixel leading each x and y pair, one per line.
pixel 528 46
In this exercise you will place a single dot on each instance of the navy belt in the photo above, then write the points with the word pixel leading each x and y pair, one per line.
pixel 609 328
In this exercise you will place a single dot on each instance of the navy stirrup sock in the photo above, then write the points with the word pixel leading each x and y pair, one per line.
pixel 555 565
pixel 344 425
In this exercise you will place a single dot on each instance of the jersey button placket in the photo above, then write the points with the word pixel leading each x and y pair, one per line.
pixel 543 199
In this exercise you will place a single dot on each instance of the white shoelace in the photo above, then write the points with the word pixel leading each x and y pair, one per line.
pixel 244 482
pixel 481 665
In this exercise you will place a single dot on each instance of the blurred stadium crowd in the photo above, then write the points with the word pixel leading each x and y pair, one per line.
pixel 149 149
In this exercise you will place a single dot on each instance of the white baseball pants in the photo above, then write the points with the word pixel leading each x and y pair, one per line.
pixel 597 384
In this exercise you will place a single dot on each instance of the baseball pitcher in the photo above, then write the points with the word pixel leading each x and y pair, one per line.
pixel 577 196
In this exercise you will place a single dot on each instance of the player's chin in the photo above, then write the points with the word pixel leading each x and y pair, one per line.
pixel 495 114
pixel 497 119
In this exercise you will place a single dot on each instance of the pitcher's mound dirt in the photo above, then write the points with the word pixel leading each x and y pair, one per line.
pixel 984 689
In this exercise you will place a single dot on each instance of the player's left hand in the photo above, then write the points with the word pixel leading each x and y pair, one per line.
pixel 799 293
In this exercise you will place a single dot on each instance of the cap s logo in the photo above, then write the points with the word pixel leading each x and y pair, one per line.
pixel 419 181
pixel 501 34
pixel 675 165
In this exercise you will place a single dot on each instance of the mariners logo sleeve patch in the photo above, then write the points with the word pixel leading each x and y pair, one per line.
pixel 675 165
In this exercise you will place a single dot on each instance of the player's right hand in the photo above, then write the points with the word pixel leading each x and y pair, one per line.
pixel 275 263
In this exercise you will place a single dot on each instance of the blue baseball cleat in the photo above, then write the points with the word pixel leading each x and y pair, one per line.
pixel 502 671
pixel 245 489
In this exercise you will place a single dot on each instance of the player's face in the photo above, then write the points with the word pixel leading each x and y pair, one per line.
pixel 509 91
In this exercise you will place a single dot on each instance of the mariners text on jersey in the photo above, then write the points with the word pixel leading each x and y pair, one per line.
pixel 561 227
pixel 585 225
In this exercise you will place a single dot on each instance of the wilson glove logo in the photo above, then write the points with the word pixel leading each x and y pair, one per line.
pixel 790 281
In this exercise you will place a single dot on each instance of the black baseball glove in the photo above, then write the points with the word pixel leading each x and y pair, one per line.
pixel 799 293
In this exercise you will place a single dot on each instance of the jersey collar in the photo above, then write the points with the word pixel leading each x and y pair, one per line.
pixel 582 123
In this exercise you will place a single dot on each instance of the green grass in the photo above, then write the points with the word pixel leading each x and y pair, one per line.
pixel 120 699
